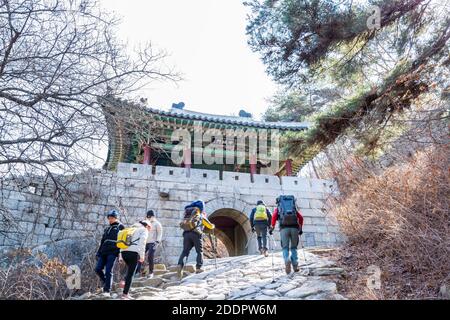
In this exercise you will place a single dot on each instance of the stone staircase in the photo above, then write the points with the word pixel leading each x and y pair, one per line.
pixel 250 277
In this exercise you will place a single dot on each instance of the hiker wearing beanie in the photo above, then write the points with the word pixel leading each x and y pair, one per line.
pixel 108 252
pixel 260 220
pixel 153 240
pixel 134 253
pixel 291 224
pixel 193 223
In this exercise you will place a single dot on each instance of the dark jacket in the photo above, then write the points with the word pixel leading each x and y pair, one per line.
pixel 252 218
pixel 108 243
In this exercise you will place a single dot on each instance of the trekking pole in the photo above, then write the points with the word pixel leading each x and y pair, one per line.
pixel 249 240
pixel 184 267
pixel 303 248
pixel 213 240
pixel 164 254
pixel 215 248
pixel 273 263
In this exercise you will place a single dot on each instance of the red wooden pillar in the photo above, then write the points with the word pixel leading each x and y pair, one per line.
pixel 147 154
pixel 252 166
pixel 289 167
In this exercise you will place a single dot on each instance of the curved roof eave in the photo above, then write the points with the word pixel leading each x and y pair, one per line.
pixel 195 115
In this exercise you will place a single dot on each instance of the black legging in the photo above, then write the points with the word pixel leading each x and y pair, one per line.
pixel 131 260
pixel 192 239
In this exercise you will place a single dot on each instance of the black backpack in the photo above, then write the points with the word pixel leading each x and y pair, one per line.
pixel 287 211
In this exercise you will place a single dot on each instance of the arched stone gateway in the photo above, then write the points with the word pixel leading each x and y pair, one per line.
pixel 136 188
pixel 232 224
pixel 232 229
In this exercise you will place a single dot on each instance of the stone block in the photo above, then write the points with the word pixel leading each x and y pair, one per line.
pixel 303 203
pixel 315 228
pixel 181 195
pixel 174 174
pixel 236 178
pixel 310 240
pixel 297 184
pixel 319 221
pixel 312 213
pixel 267 181
pixel 135 171
pixel 10 204
pixel 333 229
pixel 317 204
pixel 204 176
pixel 15 195
pixel 134 202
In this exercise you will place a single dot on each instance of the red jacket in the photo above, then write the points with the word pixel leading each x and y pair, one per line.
pixel 275 218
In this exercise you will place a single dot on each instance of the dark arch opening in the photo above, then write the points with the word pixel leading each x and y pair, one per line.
pixel 232 230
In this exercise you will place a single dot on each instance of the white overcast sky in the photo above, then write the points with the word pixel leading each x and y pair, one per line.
pixel 207 43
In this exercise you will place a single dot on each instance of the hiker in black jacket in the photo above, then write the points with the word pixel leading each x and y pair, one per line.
pixel 108 251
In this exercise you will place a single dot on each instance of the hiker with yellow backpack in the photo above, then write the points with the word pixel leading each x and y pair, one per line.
pixel 260 219
pixel 193 224
pixel 108 251
pixel 131 242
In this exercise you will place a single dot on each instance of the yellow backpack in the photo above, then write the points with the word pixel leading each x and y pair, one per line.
pixel 208 224
pixel 125 237
pixel 261 213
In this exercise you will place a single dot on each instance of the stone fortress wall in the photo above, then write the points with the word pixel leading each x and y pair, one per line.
pixel 36 216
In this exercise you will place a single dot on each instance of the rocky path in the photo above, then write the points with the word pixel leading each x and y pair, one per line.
pixel 244 277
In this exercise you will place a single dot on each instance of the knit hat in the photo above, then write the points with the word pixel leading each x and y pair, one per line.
pixel 112 213
pixel 197 204
pixel 150 213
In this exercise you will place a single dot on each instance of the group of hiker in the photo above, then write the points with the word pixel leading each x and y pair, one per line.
pixel 130 245
pixel 133 244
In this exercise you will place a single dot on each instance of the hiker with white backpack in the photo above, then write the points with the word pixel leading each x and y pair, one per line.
pixel 153 241
pixel 260 221
pixel 290 222
pixel 132 242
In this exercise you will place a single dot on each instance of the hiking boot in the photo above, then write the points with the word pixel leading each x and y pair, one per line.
pixel 295 267
pixel 261 251
pixel 199 270
pixel 266 253
pixel 126 297
pixel 150 276
pixel 106 294
pixel 288 267
pixel 180 272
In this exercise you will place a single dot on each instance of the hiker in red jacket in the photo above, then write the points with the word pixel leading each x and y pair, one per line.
pixel 291 224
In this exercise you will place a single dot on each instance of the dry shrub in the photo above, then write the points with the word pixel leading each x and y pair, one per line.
pixel 27 276
pixel 399 220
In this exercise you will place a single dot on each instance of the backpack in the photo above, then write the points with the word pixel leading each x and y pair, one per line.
pixel 261 213
pixel 287 211
pixel 191 218
pixel 208 225
pixel 125 237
